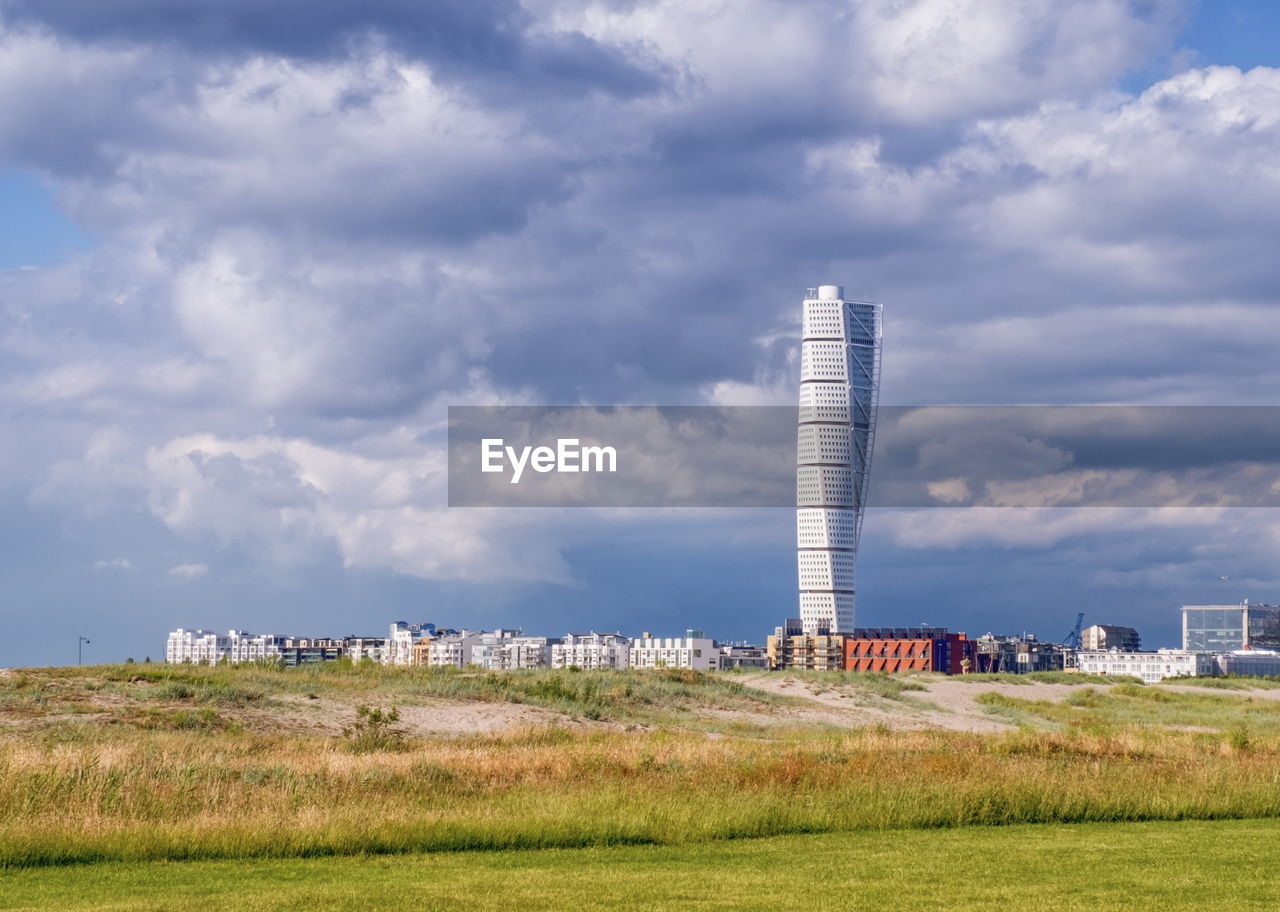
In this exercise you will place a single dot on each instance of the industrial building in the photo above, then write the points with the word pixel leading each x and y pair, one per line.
pixel 1226 628
pixel 1252 662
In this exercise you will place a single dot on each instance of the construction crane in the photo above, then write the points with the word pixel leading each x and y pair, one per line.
pixel 1073 638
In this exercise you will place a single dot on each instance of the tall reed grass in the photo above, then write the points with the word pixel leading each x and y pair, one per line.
pixel 89 796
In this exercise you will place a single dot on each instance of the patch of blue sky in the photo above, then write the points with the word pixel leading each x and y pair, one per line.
pixel 1239 33
pixel 34 231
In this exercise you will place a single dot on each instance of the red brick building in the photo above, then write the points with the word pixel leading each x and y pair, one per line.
pixel 895 649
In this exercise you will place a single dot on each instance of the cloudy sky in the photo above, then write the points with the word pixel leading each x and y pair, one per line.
pixel 250 253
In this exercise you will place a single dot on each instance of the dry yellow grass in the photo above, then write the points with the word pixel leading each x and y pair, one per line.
pixel 116 788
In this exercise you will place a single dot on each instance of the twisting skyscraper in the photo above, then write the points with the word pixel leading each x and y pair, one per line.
pixel 839 389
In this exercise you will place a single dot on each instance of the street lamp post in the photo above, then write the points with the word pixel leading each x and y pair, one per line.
pixel 80 642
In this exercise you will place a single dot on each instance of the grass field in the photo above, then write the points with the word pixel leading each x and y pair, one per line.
pixel 129 779
pixel 1129 707
pixel 1225 865
pixel 1045 677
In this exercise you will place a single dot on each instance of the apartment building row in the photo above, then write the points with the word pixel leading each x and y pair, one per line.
pixel 1239 639
pixel 425 644
pixel 870 649
pixel 925 648
pixel 937 649
pixel 208 647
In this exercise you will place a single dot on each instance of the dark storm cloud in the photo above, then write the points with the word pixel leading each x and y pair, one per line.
pixel 477 42
pixel 956 456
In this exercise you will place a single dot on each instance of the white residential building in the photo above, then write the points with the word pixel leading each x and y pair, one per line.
pixel 693 650
pixel 1149 666
pixel 503 650
pixel 1105 637
pixel 359 648
pixel 487 650
pixel 452 650
pixel 839 389
pixel 528 652
pixel 246 647
pixel 208 647
pixel 400 643
pixel 204 647
pixel 591 650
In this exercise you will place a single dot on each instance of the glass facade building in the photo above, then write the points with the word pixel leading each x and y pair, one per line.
pixel 839 392
pixel 1223 628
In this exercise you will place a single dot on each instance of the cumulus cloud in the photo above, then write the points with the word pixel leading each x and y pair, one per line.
pixel 187 572
pixel 377 509
pixel 329 257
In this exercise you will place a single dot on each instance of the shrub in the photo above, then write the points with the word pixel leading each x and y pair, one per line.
pixel 375 730
pixel 205 719
pixel 175 691
pixel 683 675
pixel 1089 698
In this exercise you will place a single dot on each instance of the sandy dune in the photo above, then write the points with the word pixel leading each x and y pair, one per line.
pixel 943 703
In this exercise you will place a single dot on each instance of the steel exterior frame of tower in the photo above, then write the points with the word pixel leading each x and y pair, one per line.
pixel 839 393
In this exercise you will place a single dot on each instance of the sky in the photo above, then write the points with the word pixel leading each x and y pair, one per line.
pixel 249 254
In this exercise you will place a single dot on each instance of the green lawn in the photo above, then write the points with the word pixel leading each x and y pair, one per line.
pixel 1167 866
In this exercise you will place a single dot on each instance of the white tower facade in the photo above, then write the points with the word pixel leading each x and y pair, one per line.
pixel 839 392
